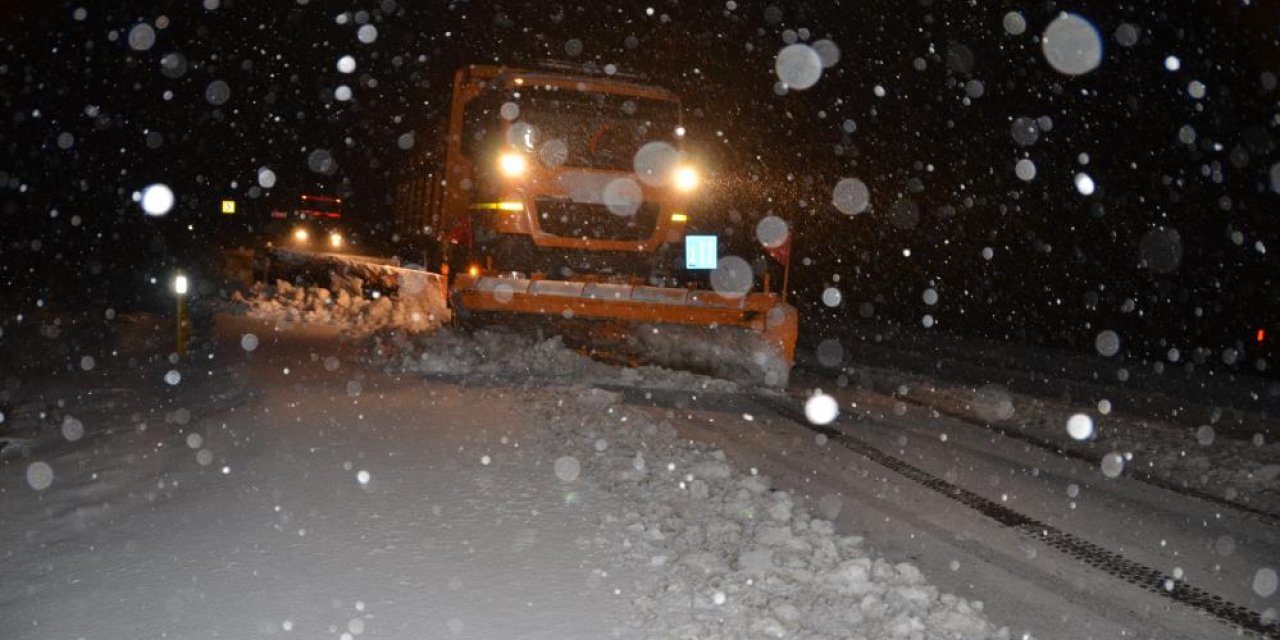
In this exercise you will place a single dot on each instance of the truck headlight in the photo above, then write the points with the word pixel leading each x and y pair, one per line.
pixel 512 165
pixel 335 240
pixel 685 179
pixel 301 235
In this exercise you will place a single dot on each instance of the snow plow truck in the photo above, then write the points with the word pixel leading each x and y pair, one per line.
pixel 558 197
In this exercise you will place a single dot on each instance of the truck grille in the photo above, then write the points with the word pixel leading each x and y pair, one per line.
pixel 570 219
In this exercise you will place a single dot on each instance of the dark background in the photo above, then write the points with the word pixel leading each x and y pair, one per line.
pixel 939 162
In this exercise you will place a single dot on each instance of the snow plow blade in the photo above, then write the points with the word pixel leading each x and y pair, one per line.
pixel 749 339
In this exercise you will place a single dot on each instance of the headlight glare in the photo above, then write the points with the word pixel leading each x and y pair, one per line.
pixel 512 165
pixel 686 179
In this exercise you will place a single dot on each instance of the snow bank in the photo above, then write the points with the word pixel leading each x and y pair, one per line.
pixel 726 352
pixel 742 559
pixel 1231 467
pixel 513 357
pixel 414 302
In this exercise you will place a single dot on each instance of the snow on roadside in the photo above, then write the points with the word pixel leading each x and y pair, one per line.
pixel 742 559
pixel 346 303
pixel 1239 470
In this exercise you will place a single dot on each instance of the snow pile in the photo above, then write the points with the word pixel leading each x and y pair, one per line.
pixel 417 304
pixel 726 352
pixel 742 560
pixel 1236 470
pixel 496 354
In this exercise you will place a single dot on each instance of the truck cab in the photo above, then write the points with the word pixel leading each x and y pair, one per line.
pixel 560 174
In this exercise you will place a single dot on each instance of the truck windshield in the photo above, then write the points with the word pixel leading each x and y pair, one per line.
pixel 594 130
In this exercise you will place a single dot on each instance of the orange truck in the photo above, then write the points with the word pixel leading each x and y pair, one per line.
pixel 560 196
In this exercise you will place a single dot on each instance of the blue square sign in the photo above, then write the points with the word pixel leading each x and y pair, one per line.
pixel 700 252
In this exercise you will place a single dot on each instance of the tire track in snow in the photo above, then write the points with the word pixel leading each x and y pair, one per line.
pixel 1137 574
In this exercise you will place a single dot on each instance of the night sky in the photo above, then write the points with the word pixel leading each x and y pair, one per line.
pixel 930 104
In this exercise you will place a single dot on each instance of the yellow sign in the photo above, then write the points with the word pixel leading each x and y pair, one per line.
pixel 228 206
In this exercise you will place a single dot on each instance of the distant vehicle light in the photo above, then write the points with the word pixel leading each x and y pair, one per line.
pixel 512 165
pixel 1262 335
pixel 473 270
pixel 314 198
pixel 335 240
pixel 686 179
pixel 301 235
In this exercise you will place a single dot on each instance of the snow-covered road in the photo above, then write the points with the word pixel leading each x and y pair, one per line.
pixel 316 497
pixel 1024 582
pixel 289 480
pixel 276 484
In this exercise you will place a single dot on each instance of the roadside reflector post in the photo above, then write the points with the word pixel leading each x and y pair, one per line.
pixel 180 287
